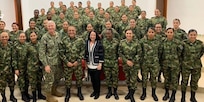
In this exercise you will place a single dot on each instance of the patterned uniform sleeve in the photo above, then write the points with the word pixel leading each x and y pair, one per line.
pixel 43 51
pixel 62 50
pixel 82 51
pixel 14 57
pixel 120 52
pixel 138 54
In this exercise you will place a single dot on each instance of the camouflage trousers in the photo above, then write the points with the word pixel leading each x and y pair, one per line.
pixel 35 78
pixel 154 71
pixel 52 78
pixel 195 76
pixel 77 71
pixel 171 77
pixel 3 78
pixel 131 76
pixel 7 78
pixel 111 75
pixel 23 81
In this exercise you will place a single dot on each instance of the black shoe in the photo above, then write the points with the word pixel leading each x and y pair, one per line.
pixel 96 96
pixel 116 94
pixel 67 95
pixel 24 97
pixel 4 99
pixel 166 96
pixel 193 99
pixel 154 94
pixel 143 96
pixel 128 94
pixel 13 99
pixel 40 95
pixel 92 94
pixel 79 94
pixel 132 92
pixel 183 98
pixel 109 94
pixel 172 99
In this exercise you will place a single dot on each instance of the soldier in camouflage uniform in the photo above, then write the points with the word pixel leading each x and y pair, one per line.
pixel 77 23
pixel 158 19
pixel 136 31
pixel 80 8
pixel 116 16
pixel 131 13
pixel 179 33
pixel 121 27
pixel 108 25
pixel 130 51
pixel 123 7
pixel 7 64
pixel 2 27
pixel 111 70
pixel 64 30
pixel 143 23
pixel 34 67
pixel 89 28
pixel 110 9
pixel 32 28
pixel 21 69
pixel 71 53
pixel 136 8
pixel 13 35
pixel 150 62
pixel 171 50
pixel 38 20
pixel 60 21
pixel 49 56
pixel 193 50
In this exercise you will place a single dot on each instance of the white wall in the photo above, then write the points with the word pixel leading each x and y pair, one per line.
pixel 8 10
pixel 189 12
pixel 28 6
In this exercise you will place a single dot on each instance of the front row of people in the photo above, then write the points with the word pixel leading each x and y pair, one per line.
pixel 150 54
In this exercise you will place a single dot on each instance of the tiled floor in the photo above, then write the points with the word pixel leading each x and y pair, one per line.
pixel 122 91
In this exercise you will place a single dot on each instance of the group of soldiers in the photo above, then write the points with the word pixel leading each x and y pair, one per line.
pixel 54 44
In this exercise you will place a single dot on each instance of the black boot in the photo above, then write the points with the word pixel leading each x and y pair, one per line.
pixel 128 95
pixel 24 97
pixel 132 92
pixel 116 94
pixel 143 94
pixel 34 96
pixel 97 95
pixel 172 99
pixel 193 99
pixel 183 98
pixel 79 94
pixel 27 94
pixel 166 96
pixel 40 95
pixel 67 95
pixel 3 97
pixel 154 94
pixel 12 97
pixel 109 94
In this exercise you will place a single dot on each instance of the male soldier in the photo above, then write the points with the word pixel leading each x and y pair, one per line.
pixel 121 27
pixel 21 69
pixel 158 19
pixel 77 22
pixel 34 69
pixel 136 8
pixel 2 27
pixel 7 63
pixel 52 6
pixel 110 9
pixel 37 19
pixel 123 7
pixel 130 52
pixel 32 28
pixel 108 25
pixel 60 21
pixel 80 8
pixel 49 56
pixel 179 33
pixel 71 52
pixel 13 36
pixel 111 70
pixel 88 3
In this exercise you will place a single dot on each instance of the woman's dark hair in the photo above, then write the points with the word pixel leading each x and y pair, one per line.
pixel 169 29
pixel 15 24
pixel 192 30
pixel 97 36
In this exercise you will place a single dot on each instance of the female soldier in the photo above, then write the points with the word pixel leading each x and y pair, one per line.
pixel 170 54
pixel 130 51
pixel 191 64
pixel 34 67
pixel 110 62
pixel 15 33
pixel 150 61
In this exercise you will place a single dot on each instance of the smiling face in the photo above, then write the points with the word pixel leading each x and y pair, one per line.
pixel 129 35
pixel 170 33
pixel 93 36
pixel 151 33
pixel 22 38
pixel 192 35
pixel 33 37
pixel 71 31
pixel 4 37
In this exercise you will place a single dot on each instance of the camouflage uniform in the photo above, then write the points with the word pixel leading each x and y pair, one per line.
pixel 29 31
pixel 13 36
pixel 34 66
pixel 170 56
pixel 130 51
pixel 21 53
pixel 7 64
pixel 121 27
pixel 110 62
pixel 191 64
pixel 180 34
pixel 49 55
pixel 78 24
pixel 123 9
pixel 115 33
pixel 116 16
pixel 143 24
pixel 38 21
pixel 150 60
pixel 162 20
pixel 136 31
pixel 71 50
